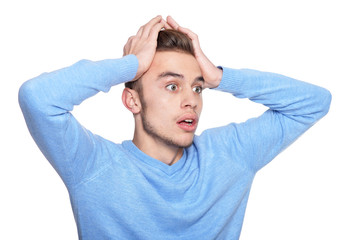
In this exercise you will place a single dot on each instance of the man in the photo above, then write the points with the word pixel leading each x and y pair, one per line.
pixel 166 183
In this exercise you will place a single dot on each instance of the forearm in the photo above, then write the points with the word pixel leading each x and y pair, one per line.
pixel 57 92
pixel 295 99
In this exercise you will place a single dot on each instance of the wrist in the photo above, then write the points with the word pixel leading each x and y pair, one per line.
pixel 216 78
pixel 219 75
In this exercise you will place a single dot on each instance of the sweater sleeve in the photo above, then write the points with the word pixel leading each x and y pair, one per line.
pixel 294 106
pixel 47 101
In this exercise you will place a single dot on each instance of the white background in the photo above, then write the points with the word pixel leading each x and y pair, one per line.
pixel 310 191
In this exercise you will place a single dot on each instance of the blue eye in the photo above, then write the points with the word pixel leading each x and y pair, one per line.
pixel 172 87
pixel 198 89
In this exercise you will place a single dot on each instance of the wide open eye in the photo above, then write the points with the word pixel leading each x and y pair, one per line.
pixel 172 87
pixel 198 89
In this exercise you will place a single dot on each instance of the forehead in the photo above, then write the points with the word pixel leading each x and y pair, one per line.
pixel 182 63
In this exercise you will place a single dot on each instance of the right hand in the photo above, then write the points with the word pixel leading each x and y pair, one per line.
pixel 211 74
pixel 143 45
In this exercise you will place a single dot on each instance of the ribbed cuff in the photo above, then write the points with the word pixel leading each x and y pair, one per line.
pixel 231 81
pixel 126 68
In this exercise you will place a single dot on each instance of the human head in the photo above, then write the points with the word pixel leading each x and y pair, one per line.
pixel 168 40
pixel 164 115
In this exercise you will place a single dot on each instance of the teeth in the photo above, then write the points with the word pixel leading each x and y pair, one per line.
pixel 188 120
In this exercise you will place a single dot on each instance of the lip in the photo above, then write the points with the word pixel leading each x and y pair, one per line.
pixel 188 127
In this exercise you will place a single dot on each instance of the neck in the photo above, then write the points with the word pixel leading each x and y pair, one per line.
pixel 158 149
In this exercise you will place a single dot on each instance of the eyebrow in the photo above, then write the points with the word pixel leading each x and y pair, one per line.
pixel 178 75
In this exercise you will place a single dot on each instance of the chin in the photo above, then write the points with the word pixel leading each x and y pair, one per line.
pixel 175 139
pixel 187 142
pixel 183 143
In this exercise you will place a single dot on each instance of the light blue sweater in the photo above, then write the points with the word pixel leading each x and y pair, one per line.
pixel 118 192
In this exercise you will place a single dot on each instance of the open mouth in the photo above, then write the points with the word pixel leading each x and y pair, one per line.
pixel 188 122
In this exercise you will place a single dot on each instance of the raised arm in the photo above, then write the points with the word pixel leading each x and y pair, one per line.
pixel 294 106
pixel 47 102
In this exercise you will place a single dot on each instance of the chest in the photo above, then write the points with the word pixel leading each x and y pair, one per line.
pixel 135 199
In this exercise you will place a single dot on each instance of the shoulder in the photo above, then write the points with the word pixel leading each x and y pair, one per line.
pixel 224 135
pixel 224 150
pixel 227 140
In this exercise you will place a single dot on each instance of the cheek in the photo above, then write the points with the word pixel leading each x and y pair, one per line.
pixel 161 108
pixel 200 105
pixel 167 107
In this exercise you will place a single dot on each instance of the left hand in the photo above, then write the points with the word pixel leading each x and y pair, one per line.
pixel 143 45
pixel 211 74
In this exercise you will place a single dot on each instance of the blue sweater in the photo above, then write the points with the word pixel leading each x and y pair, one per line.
pixel 119 192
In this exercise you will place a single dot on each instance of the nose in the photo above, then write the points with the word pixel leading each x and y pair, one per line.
pixel 190 99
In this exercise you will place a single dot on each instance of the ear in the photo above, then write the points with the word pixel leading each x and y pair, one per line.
pixel 131 100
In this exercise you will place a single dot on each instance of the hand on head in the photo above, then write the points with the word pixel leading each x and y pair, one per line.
pixel 144 44
pixel 211 74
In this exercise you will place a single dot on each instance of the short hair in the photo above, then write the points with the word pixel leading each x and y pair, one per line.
pixel 173 40
pixel 169 40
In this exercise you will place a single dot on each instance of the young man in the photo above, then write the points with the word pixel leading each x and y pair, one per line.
pixel 166 183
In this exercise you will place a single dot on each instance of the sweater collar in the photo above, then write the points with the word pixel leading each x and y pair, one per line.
pixel 144 158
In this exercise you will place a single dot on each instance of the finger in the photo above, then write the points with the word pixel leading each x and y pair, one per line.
pixel 166 25
pixel 191 35
pixel 127 45
pixel 188 32
pixel 147 27
pixel 140 31
pixel 194 38
pixel 172 23
pixel 155 30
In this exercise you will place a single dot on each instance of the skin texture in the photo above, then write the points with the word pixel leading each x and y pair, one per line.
pixel 171 92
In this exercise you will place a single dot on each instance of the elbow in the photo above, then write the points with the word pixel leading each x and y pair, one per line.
pixel 25 92
pixel 28 94
pixel 326 98
pixel 322 105
pixel 317 108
